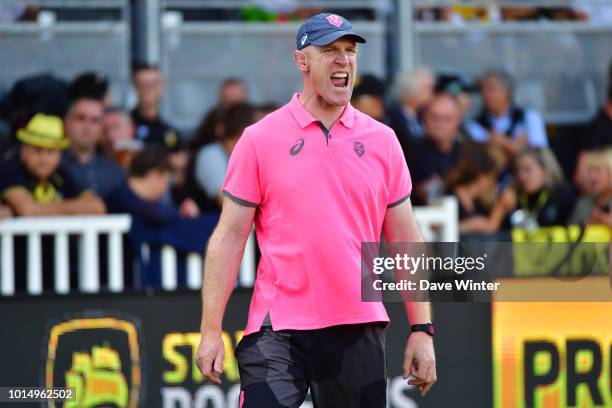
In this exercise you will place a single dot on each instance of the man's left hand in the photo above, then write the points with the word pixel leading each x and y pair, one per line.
pixel 420 361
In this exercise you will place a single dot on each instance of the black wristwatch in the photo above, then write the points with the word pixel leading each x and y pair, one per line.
pixel 428 328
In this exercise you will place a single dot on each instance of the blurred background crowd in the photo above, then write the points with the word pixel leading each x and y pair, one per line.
pixel 69 151
pixel 69 145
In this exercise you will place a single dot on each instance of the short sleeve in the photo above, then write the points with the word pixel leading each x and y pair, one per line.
pixel 476 132
pixel 399 184
pixel 242 179
pixel 536 130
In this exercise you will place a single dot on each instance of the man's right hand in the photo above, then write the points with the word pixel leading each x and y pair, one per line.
pixel 210 355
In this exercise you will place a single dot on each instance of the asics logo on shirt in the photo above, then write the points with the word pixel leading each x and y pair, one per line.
pixel 297 147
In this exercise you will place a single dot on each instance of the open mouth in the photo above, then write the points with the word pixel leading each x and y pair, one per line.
pixel 340 79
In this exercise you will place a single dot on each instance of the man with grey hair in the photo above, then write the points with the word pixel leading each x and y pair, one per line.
pixel 414 90
pixel 502 122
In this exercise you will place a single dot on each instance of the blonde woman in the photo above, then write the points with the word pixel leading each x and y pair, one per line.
pixel 594 207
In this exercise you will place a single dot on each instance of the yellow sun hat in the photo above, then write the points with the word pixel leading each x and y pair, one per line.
pixel 44 131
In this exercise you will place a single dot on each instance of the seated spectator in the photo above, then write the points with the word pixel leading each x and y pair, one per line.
pixel 155 220
pixel 369 97
pixel 231 91
pixel 598 133
pixel 85 163
pixel 211 160
pixel 92 85
pixel 31 184
pixel 541 198
pixel 181 190
pixel 414 90
pixel 143 192
pixel 459 89
pixel 431 159
pixel 501 122
pixel 150 127
pixel 473 182
pixel 118 142
pixel 595 206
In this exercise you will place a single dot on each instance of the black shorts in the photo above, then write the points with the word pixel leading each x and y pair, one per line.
pixel 344 366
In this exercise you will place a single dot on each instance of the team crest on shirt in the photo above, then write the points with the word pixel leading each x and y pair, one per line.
pixel 297 147
pixel 334 20
pixel 359 148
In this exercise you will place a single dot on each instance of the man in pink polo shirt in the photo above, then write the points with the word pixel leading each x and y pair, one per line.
pixel 318 178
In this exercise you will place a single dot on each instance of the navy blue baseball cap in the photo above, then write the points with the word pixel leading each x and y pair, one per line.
pixel 324 29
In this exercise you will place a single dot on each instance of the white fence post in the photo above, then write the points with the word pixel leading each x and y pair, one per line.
pixel 450 232
pixel 89 277
pixel 115 264
pixel 8 267
pixel 443 217
pixel 194 270
pixel 62 263
pixel 34 275
pixel 168 268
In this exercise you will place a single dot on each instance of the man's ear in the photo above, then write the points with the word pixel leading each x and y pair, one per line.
pixel 301 60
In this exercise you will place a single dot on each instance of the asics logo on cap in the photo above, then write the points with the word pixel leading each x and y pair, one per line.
pixel 334 20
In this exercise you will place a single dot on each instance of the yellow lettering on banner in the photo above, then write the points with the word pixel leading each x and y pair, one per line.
pixel 169 350
pixel 180 362
pixel 230 364
pixel 193 339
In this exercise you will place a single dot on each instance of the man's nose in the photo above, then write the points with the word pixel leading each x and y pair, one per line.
pixel 342 58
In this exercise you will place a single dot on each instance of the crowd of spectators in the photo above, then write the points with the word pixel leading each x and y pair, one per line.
pixel 595 11
pixel 69 151
pixel 497 161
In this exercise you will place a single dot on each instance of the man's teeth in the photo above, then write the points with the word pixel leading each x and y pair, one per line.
pixel 340 75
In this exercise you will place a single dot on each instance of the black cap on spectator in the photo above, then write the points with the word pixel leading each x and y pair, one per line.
pixel 452 84
pixel 152 157
pixel 369 84
pixel 93 85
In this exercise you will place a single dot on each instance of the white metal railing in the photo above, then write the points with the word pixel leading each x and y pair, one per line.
pixel 88 228
pixel 437 223
pixel 246 277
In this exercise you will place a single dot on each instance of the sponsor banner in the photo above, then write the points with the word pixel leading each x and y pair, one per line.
pixel 137 350
pixel 475 271
pixel 551 355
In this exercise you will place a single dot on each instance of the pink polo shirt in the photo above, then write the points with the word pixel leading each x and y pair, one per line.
pixel 318 197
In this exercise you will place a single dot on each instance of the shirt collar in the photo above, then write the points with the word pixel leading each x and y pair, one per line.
pixel 304 118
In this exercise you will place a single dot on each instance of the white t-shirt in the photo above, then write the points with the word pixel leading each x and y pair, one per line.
pixel 210 168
